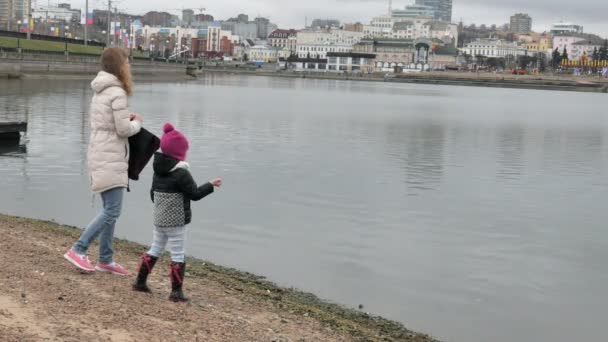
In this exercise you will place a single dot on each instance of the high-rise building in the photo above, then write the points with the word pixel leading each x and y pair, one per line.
pixel 521 23
pixel 442 8
pixel 12 11
pixel 243 18
pixel 188 16
pixel 264 27
pixel 413 12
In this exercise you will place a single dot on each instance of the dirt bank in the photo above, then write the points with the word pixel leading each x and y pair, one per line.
pixel 44 298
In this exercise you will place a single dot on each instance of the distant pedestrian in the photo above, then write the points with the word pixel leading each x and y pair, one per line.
pixel 108 158
pixel 172 190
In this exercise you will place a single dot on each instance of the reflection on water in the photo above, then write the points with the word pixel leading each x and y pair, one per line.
pixel 458 211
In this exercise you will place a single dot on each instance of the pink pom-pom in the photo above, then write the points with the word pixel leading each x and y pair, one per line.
pixel 168 128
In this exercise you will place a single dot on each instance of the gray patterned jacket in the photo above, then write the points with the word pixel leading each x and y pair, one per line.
pixel 172 190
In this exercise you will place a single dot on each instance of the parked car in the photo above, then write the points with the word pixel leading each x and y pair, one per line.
pixel 519 72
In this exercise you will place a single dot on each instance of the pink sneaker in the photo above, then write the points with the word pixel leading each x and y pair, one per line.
pixel 113 268
pixel 78 260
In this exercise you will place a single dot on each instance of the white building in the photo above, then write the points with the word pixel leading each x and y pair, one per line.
pixel 567 42
pixel 565 28
pixel 263 53
pixel 493 48
pixel 412 29
pixel 350 62
pixel 425 28
pixel 284 39
pixel 316 44
pixel 380 26
pixel 56 14
pixel 584 47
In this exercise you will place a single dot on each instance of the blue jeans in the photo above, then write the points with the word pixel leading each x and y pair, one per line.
pixel 102 226
pixel 175 237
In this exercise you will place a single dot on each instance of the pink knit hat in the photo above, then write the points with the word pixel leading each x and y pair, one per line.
pixel 173 143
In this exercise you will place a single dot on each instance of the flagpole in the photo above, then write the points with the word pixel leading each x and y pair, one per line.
pixel 29 19
pixel 86 23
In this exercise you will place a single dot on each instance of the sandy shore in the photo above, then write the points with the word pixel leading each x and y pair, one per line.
pixel 43 298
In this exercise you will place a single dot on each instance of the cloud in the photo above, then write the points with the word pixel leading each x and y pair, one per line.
pixel 290 13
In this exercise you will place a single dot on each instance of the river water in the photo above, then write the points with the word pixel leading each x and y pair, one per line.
pixel 471 214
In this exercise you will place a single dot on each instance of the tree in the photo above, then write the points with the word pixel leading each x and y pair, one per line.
pixel 603 52
pixel 556 59
pixel 541 58
pixel 565 54
pixel 595 55
pixel 524 61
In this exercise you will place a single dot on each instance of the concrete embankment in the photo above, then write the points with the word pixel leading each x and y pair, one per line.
pixel 443 78
pixel 42 297
pixel 15 65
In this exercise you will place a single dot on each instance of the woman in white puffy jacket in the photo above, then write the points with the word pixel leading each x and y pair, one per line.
pixel 108 158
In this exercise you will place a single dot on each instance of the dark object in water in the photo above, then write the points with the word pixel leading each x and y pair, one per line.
pixel 11 131
pixel 12 148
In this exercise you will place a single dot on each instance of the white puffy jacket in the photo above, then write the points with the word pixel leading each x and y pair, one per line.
pixel 108 155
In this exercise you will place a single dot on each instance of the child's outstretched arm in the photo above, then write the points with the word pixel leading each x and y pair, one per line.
pixel 188 186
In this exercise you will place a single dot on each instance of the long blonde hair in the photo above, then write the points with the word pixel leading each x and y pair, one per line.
pixel 114 61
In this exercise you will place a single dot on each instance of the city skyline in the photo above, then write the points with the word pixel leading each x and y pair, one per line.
pixel 589 13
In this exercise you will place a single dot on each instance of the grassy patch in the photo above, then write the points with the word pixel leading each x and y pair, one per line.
pixel 43 45
pixel 6 42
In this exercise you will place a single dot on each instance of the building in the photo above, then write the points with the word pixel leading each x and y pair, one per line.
pixel 442 8
pixel 317 44
pixel 493 48
pixel 202 41
pixel 12 11
pixel 585 48
pixel 157 19
pixel 245 30
pixel 424 28
pixel 356 27
pixel 444 57
pixel 543 43
pixel 566 28
pixel 390 53
pixel 100 19
pixel 305 64
pixel 521 23
pixel 243 18
pixel 567 41
pixel 264 27
pixel 263 53
pixel 380 26
pixel 202 18
pixel 325 23
pixel 200 48
pixel 352 62
pixel 284 39
pixel 62 13
pixel 412 12
pixel 187 17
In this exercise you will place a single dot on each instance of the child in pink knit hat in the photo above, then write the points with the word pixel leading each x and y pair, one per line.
pixel 172 190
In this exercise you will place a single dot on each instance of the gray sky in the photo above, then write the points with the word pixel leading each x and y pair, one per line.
pixel 593 14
